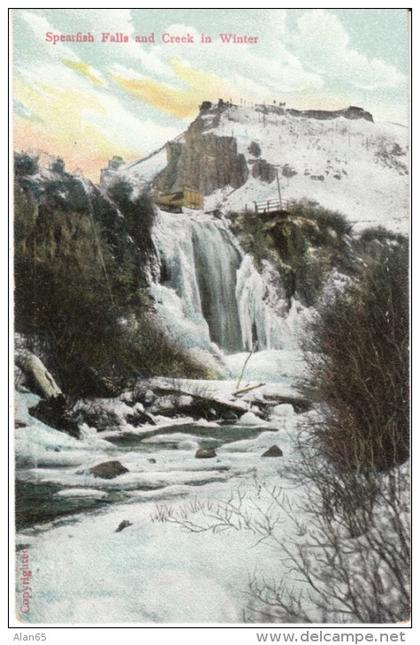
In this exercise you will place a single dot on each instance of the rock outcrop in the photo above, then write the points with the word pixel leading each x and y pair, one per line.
pixel 263 170
pixel 37 377
pixel 54 412
pixel 352 112
pixel 202 161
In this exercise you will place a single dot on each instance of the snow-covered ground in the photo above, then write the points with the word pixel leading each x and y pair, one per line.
pixel 179 539
pixel 353 166
pixel 155 570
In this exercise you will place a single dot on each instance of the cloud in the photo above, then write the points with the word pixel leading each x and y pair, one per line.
pixel 39 27
pixel 194 73
pixel 62 129
pixel 99 21
pixel 142 135
pixel 181 102
pixel 325 46
pixel 82 122
pixel 25 112
pixel 84 69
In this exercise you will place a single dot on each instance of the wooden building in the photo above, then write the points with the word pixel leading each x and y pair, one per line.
pixel 176 201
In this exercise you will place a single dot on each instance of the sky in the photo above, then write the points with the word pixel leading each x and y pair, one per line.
pixel 86 102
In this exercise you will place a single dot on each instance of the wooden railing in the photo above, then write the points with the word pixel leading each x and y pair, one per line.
pixel 270 206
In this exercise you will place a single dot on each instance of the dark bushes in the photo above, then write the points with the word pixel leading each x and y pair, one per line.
pixel 304 248
pixel 25 163
pixel 380 234
pixel 351 550
pixel 80 290
pixel 360 368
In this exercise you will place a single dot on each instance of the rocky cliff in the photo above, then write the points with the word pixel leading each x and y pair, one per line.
pixel 203 160
pixel 84 260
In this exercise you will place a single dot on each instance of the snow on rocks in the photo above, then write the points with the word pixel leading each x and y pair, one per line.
pixel 282 411
pixel 250 419
pixel 82 492
pixel 273 451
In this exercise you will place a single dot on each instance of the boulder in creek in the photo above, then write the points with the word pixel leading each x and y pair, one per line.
pixel 53 412
pixel 205 453
pixel 123 525
pixel 274 451
pixel 139 418
pixel 108 470
pixel 149 397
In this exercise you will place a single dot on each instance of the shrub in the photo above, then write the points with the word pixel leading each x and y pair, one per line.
pixel 25 163
pixel 304 248
pixel 319 572
pixel 138 213
pixel 359 367
pixel 380 234
pixel 254 149
pixel 339 577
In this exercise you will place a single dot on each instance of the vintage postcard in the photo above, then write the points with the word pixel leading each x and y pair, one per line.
pixel 211 217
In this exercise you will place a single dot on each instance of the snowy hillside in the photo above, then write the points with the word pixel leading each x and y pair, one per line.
pixel 352 164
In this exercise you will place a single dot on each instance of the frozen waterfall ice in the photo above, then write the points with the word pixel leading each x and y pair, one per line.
pixel 209 290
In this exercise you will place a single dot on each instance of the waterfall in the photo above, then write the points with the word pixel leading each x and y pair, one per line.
pixel 217 261
pixel 209 291
pixel 260 323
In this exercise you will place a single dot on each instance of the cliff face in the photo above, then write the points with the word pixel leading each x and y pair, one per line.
pixel 82 266
pixel 62 218
pixel 203 160
pixel 352 112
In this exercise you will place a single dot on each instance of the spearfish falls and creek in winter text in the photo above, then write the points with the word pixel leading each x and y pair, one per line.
pixel 165 38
